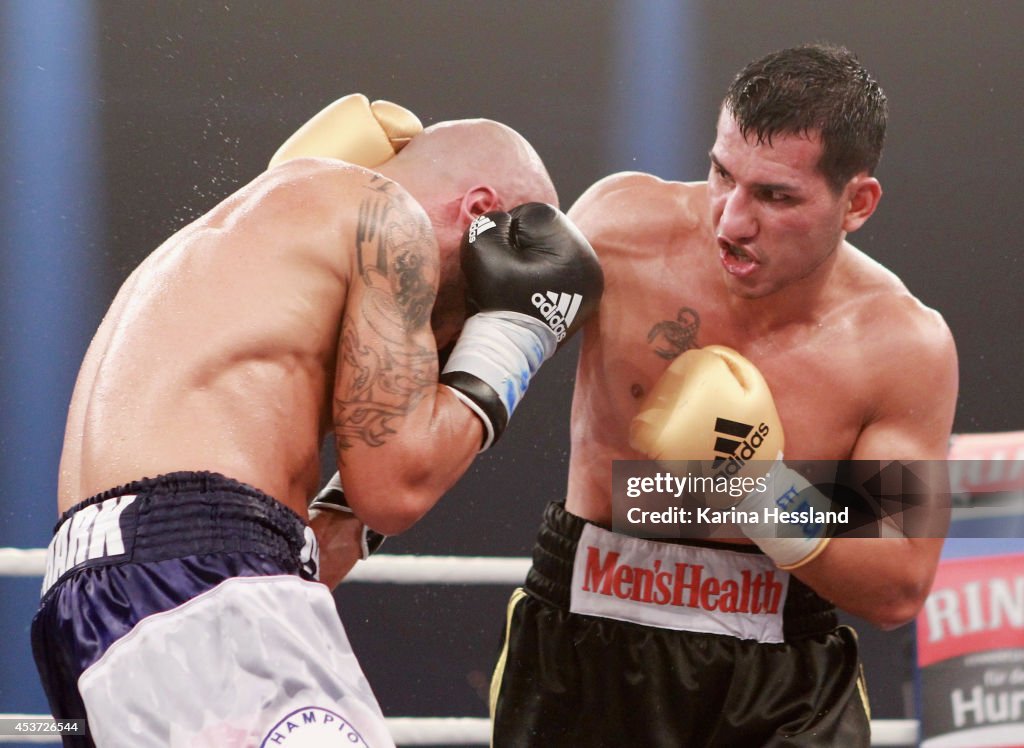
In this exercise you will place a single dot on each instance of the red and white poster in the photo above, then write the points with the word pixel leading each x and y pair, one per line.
pixel 970 649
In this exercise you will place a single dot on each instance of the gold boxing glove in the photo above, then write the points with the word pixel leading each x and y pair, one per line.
pixel 713 405
pixel 354 130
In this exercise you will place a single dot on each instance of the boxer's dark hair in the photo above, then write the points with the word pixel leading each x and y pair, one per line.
pixel 814 88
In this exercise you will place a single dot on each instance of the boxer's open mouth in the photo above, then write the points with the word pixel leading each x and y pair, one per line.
pixel 736 260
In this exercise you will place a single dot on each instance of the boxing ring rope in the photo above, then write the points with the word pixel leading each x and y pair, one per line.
pixel 413 569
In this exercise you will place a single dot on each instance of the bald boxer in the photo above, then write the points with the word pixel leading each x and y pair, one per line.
pixel 741 295
pixel 180 606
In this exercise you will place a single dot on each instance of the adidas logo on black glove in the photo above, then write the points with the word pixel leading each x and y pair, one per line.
pixel 558 309
pixel 480 225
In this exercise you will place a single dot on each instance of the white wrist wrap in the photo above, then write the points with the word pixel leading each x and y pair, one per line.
pixel 504 350
pixel 789 544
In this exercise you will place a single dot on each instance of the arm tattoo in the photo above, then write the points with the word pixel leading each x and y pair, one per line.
pixel 386 374
pixel 383 387
pixel 395 260
pixel 672 337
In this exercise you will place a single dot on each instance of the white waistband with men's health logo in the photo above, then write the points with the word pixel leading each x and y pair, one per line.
pixel 680 587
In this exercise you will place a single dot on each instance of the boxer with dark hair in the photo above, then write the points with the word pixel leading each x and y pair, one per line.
pixel 180 606
pixel 739 295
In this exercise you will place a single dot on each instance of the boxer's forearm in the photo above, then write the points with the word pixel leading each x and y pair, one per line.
pixel 883 580
pixel 391 485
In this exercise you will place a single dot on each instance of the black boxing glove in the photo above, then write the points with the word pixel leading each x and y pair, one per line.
pixel 533 279
pixel 332 497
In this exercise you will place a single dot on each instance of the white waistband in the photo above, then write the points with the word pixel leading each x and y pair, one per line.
pixel 680 587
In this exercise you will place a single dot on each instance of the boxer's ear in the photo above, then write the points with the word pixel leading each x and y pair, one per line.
pixel 478 200
pixel 861 196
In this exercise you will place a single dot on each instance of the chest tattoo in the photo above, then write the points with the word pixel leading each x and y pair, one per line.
pixel 669 338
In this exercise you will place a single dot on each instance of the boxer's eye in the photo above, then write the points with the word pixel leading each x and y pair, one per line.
pixel 776 196
pixel 717 169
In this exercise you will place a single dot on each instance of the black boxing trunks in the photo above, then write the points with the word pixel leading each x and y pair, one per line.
pixel 618 641
pixel 183 611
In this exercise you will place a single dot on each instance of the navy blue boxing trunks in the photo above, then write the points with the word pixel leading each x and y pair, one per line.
pixel 619 641
pixel 183 610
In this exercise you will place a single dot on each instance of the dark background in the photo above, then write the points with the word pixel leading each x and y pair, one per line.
pixel 125 119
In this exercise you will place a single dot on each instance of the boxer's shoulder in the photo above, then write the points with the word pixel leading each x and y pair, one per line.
pixel 890 337
pixel 324 180
pixel 876 300
pixel 634 210
pixel 318 207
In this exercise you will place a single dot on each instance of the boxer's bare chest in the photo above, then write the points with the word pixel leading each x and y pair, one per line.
pixel 811 367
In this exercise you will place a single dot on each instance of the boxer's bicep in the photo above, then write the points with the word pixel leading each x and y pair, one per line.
pixel 920 445
pixel 908 435
pixel 886 579
pixel 915 399
pixel 913 423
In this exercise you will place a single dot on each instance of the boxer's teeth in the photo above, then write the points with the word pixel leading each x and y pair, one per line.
pixel 737 252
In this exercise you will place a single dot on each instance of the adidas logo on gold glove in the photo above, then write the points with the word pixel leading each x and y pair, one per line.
pixel 735 445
